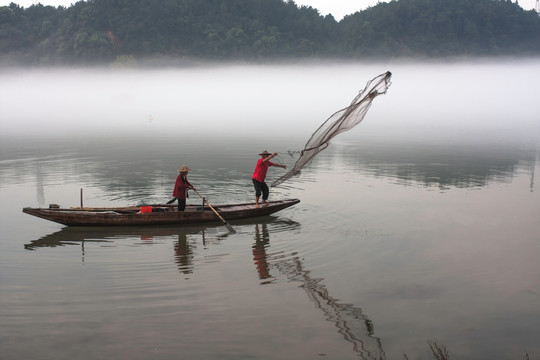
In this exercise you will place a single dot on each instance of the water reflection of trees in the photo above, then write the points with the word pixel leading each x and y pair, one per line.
pixel 136 169
pixel 461 165
pixel 141 169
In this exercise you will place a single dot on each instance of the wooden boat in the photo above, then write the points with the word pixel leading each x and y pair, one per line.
pixel 160 214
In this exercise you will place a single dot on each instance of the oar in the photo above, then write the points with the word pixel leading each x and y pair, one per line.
pixel 214 210
pixel 171 201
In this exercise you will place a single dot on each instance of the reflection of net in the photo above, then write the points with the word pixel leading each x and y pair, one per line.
pixel 352 324
pixel 339 122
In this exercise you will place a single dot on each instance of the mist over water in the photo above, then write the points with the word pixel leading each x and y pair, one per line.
pixel 272 100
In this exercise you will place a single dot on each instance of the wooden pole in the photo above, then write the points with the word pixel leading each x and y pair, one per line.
pixel 81 198
pixel 227 225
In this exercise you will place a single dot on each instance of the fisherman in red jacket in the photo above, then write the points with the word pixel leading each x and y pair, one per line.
pixel 260 174
pixel 181 187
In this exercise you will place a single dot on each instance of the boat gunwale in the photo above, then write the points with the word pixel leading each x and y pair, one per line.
pixel 112 216
pixel 189 208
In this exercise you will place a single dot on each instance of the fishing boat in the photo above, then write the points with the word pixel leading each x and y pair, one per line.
pixel 160 214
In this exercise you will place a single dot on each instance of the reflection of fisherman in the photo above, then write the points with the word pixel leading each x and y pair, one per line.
pixel 181 187
pixel 183 255
pixel 260 174
pixel 259 252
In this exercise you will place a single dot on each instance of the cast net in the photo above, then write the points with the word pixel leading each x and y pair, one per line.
pixel 341 121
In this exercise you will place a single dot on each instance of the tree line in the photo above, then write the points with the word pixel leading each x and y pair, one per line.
pixel 119 31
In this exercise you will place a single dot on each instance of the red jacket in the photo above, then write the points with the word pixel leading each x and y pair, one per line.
pixel 260 170
pixel 181 186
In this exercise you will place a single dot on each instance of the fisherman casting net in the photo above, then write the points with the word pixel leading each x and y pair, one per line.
pixel 341 121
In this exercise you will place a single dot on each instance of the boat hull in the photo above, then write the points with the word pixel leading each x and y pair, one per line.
pixel 167 215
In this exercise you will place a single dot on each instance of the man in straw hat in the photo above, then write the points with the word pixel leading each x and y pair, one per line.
pixel 181 187
pixel 260 174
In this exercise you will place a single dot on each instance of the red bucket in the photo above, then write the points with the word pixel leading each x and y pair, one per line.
pixel 146 209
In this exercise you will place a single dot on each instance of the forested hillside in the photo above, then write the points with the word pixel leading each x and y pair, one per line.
pixel 120 31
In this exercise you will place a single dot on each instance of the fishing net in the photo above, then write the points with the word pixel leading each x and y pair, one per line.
pixel 341 121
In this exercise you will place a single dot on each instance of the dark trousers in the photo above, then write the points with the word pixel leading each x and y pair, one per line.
pixel 181 204
pixel 261 187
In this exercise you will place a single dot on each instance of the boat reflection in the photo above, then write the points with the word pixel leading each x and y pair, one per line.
pixel 210 234
pixel 80 235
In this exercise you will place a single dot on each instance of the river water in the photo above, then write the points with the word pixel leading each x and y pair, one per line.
pixel 420 224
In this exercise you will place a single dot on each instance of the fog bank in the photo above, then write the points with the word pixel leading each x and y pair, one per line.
pixel 271 101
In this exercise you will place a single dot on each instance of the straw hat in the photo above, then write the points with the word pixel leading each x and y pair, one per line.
pixel 265 153
pixel 184 169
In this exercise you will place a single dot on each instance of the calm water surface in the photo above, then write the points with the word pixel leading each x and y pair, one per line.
pixel 397 240
pixel 391 245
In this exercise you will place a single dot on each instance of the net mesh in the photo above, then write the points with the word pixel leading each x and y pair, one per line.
pixel 341 121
